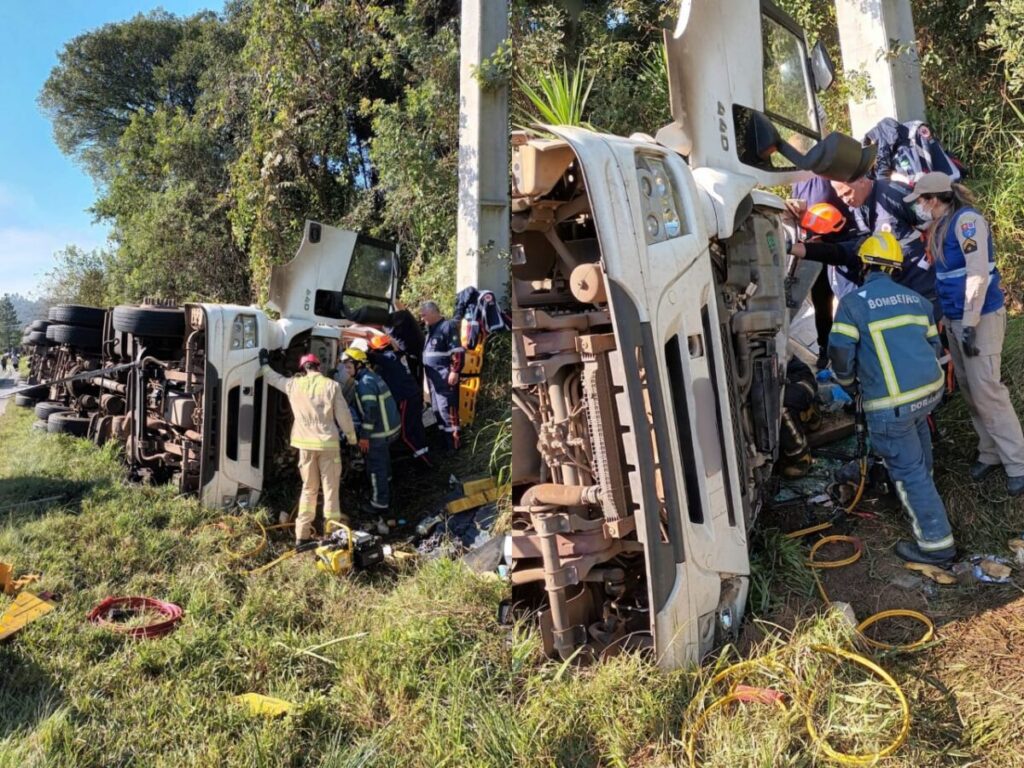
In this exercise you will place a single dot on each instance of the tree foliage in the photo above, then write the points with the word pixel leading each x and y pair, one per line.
pixel 213 137
pixel 10 328
pixel 79 277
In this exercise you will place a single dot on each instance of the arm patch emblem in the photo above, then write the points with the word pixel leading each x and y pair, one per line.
pixel 969 228
pixel 970 246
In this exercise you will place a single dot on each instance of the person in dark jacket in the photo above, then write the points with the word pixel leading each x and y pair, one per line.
pixel 878 207
pixel 378 424
pixel 442 360
pixel 884 349
pixel 407 393
pixel 407 338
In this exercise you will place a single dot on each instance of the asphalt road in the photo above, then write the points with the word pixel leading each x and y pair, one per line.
pixel 4 385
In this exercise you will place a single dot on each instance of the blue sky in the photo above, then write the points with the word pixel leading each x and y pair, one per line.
pixel 44 196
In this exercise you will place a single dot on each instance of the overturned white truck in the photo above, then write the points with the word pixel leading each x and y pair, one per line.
pixel 650 325
pixel 180 386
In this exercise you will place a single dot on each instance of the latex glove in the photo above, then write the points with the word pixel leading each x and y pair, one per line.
pixel 264 357
pixel 453 378
pixel 969 341
pixel 364 445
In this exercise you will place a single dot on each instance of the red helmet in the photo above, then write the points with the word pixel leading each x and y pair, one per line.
pixel 309 359
pixel 823 219
pixel 382 341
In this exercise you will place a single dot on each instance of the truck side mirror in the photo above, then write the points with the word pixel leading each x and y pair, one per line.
pixel 822 68
pixel 838 157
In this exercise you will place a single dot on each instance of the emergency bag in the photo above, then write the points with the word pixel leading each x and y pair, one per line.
pixel 910 150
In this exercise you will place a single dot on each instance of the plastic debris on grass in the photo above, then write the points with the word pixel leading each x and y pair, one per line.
pixel 267 706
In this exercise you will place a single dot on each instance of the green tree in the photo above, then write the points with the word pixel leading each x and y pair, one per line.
pixel 10 328
pixel 148 105
pixel 105 76
pixel 79 277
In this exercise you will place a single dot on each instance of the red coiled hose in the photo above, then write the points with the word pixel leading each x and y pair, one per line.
pixel 172 614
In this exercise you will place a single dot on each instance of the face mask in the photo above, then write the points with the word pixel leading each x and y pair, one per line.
pixel 921 213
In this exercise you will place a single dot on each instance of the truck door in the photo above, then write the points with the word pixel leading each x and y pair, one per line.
pixel 674 403
pixel 336 275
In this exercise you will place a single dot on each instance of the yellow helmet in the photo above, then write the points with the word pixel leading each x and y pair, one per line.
pixel 881 250
pixel 355 354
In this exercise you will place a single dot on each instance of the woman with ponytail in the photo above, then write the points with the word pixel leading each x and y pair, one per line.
pixel 967 283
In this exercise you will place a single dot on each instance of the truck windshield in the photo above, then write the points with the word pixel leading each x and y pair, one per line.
pixel 788 98
pixel 371 276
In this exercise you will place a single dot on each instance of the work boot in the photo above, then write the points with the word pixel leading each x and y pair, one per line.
pixel 1015 485
pixel 797 466
pixel 980 470
pixel 909 551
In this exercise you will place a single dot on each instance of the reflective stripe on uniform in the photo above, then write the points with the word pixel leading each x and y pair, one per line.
pixel 904 398
pixel 954 274
pixel 877 329
pixel 846 329
pixel 314 445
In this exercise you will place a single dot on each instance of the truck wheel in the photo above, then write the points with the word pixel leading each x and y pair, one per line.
pixel 47 408
pixel 24 401
pixel 68 424
pixel 39 337
pixel 87 339
pixel 76 314
pixel 38 325
pixel 150 321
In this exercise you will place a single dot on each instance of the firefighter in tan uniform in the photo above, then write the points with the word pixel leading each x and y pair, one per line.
pixel 319 408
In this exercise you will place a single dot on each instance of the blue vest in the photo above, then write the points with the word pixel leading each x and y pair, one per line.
pixel 951 273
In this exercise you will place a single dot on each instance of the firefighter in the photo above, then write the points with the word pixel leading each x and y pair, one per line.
pixel 975 318
pixel 379 424
pixel 319 408
pixel 884 342
pixel 407 393
pixel 800 415
pixel 442 361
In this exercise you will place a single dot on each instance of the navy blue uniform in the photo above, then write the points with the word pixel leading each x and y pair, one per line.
pixel 409 396
pixel 378 422
pixel 442 354
pixel 884 338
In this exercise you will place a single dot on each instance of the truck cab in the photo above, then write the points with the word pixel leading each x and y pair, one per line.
pixel 335 275
pixel 650 327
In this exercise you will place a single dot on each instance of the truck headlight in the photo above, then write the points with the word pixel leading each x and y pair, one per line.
pixel 244 333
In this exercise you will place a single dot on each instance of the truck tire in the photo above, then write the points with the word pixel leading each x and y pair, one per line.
pixel 87 339
pixel 76 314
pixel 39 337
pixel 68 424
pixel 47 408
pixel 158 322
pixel 24 401
pixel 38 325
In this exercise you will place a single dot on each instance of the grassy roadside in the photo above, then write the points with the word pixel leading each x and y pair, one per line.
pixel 425 677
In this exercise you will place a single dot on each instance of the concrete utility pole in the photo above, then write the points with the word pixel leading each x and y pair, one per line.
pixel 483 229
pixel 867 29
